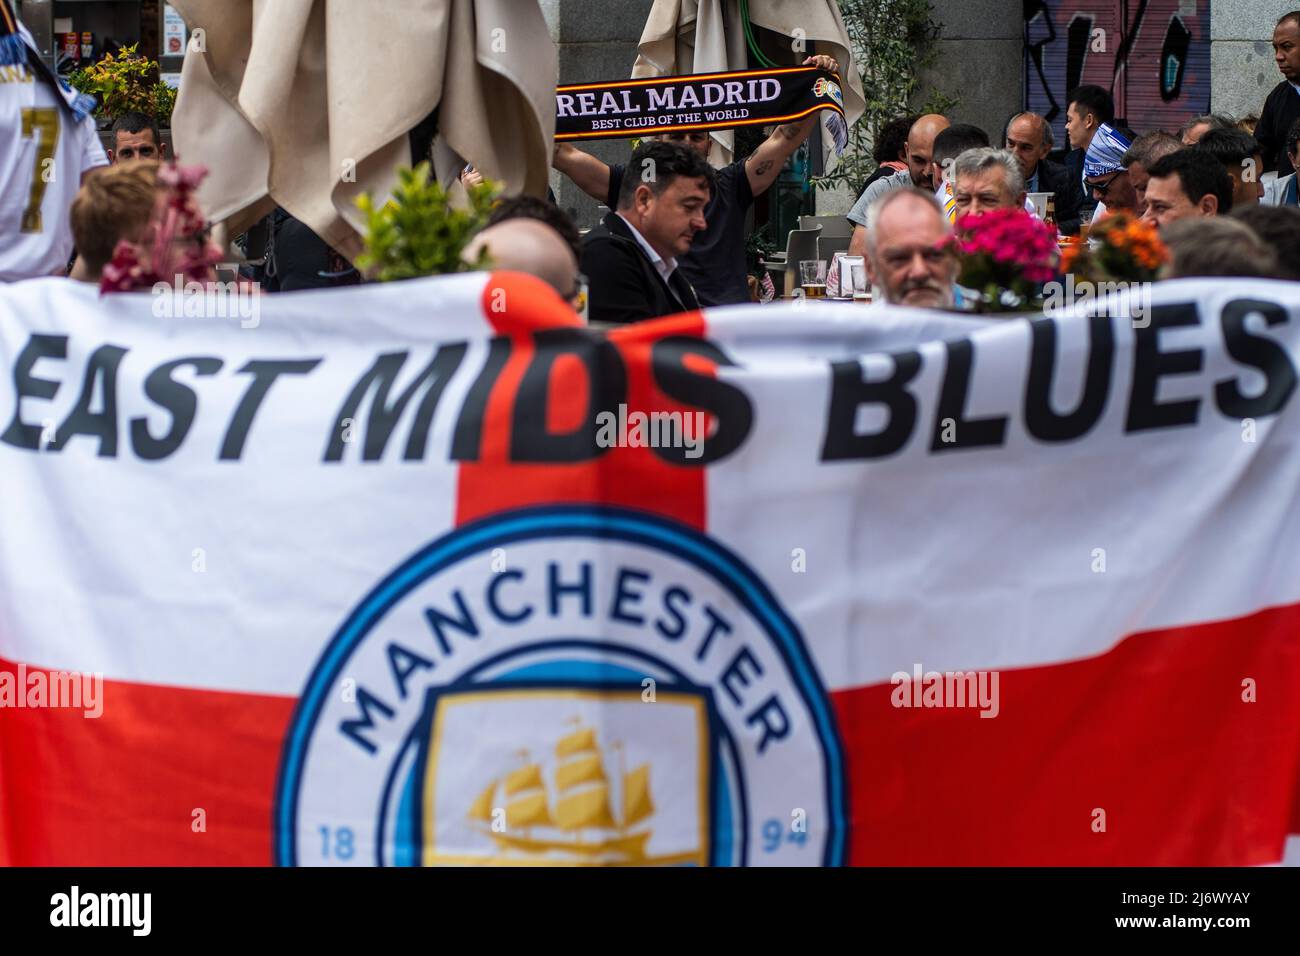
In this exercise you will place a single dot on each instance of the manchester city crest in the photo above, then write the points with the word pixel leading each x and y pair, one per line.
pixel 567 686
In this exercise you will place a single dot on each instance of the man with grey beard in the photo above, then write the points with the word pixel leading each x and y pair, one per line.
pixel 908 258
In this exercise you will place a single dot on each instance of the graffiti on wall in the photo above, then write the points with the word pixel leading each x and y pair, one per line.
pixel 1153 56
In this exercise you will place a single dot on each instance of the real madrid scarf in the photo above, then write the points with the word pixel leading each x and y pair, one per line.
pixel 16 41
pixel 702 101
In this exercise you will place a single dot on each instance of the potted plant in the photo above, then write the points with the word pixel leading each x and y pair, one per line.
pixel 419 232
pixel 1005 256
pixel 126 82
pixel 1122 249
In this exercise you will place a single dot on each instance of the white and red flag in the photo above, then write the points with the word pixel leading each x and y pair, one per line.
pixel 426 573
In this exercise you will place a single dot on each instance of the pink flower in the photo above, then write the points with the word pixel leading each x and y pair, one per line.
pixel 1008 235
pixel 184 179
pixel 176 246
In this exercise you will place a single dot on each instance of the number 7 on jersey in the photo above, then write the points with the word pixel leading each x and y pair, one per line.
pixel 46 121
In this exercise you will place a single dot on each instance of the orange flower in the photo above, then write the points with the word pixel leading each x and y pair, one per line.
pixel 1068 257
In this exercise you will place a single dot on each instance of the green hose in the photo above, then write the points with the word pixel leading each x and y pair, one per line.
pixel 754 51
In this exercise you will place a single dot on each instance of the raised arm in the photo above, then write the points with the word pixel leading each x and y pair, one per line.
pixel 587 172
pixel 765 164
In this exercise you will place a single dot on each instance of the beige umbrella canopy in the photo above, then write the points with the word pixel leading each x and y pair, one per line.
pixel 704 36
pixel 309 103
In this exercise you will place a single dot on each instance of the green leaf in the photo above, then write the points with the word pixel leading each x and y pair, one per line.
pixel 418 232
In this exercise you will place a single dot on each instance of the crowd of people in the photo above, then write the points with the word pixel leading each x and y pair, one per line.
pixel 1221 192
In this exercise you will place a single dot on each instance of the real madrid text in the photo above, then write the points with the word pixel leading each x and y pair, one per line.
pixel 63 391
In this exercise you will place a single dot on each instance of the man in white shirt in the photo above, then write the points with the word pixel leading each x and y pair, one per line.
pixel 48 146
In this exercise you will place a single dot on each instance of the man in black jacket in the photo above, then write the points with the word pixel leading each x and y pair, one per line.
pixel 716 263
pixel 1029 139
pixel 1282 108
pixel 1088 107
pixel 630 259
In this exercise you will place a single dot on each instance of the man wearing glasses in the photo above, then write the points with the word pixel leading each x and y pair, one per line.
pixel 1104 172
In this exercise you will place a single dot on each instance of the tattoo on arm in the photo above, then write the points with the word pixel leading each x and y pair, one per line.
pixel 791 130
pixel 763 168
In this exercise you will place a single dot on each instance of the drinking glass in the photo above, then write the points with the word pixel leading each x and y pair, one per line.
pixel 812 276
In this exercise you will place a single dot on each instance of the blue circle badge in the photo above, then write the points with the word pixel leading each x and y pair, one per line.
pixel 564 686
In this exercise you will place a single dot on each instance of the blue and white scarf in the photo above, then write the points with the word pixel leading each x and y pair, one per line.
pixel 17 48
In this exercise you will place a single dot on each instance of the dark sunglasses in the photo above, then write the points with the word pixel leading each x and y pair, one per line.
pixel 1101 188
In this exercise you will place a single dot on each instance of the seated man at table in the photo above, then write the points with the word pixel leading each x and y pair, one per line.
pixel 1187 184
pixel 948 145
pixel 630 259
pixel 1221 246
pixel 908 259
pixel 1198 126
pixel 985 179
pixel 113 204
pixel 1141 156
pixel 528 245
pixel 1105 175
pixel 1242 158
pixel 920 150
pixel 1029 138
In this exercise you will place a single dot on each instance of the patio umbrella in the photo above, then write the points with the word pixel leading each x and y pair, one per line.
pixel 705 36
pixel 309 103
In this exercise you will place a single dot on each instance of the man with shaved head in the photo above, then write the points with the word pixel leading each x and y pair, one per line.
pixel 919 151
pixel 1029 139
pixel 531 246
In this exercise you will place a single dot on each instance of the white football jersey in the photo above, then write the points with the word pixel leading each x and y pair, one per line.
pixel 43 153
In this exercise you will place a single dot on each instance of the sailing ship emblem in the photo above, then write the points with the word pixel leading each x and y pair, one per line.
pixel 576 814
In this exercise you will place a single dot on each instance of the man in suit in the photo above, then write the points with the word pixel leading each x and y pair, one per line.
pixel 630 259
pixel 1029 138
pixel 1282 108
pixel 1088 107
pixel 715 266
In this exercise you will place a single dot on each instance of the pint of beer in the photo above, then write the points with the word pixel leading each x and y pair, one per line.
pixel 812 277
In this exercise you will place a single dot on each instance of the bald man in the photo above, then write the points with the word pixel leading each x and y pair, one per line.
pixel 531 246
pixel 1029 138
pixel 919 149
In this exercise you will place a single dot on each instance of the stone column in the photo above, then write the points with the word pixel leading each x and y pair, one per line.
pixel 1242 71
pixel 981 60
pixel 597 41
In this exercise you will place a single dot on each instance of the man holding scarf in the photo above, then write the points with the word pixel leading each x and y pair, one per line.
pixel 715 264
